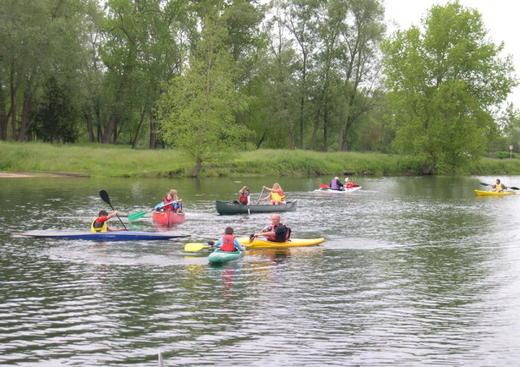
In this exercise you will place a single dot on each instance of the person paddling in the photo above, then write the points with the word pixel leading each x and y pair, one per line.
pixel 170 202
pixel 228 242
pixel 100 224
pixel 336 184
pixel 244 196
pixel 276 232
pixel 275 194
pixel 498 186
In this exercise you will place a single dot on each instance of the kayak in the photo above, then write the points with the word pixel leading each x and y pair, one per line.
pixel 494 193
pixel 294 242
pixel 168 218
pixel 227 207
pixel 220 257
pixel 339 191
pixel 105 236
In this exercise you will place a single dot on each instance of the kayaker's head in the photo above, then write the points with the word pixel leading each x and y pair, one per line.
pixel 172 195
pixel 498 181
pixel 275 219
pixel 102 213
pixel 228 230
pixel 346 179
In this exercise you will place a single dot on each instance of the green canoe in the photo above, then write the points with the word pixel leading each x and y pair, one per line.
pixel 220 257
pixel 228 207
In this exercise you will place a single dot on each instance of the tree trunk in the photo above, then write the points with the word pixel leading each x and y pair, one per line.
pixel 90 126
pixel 197 168
pixel 13 102
pixel 141 120
pixel 152 144
pixel 326 128
pixel 3 115
pixel 25 122
pixel 261 140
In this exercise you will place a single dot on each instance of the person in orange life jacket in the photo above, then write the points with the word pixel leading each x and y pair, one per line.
pixel 349 184
pixel 100 224
pixel 336 184
pixel 276 232
pixel 245 196
pixel 275 194
pixel 228 242
pixel 170 202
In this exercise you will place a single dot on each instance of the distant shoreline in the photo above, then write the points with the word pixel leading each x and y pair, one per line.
pixel 40 175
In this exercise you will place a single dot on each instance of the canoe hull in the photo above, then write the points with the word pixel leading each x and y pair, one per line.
pixel 229 208
pixel 295 242
pixel 493 193
pixel 222 257
pixel 168 218
pixel 105 236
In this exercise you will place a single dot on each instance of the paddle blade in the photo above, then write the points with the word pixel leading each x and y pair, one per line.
pixel 324 186
pixel 136 216
pixel 104 196
pixel 514 188
pixel 195 247
pixel 484 184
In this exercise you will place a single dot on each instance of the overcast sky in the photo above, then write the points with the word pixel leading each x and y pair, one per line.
pixel 501 18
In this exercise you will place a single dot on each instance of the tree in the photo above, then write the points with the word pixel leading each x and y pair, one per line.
pixel 444 80
pixel 196 112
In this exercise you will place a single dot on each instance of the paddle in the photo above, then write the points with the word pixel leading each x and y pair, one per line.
pixel 106 199
pixel 196 247
pixel 135 216
pixel 260 196
pixel 324 186
pixel 509 187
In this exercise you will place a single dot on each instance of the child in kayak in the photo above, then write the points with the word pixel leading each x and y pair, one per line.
pixel 275 194
pixel 498 186
pixel 100 224
pixel 245 196
pixel 276 232
pixel 228 242
pixel 349 184
pixel 170 202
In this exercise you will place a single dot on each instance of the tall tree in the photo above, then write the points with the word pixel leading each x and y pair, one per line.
pixel 196 112
pixel 444 80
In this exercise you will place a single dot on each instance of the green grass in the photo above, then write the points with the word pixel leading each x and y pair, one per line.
pixel 120 161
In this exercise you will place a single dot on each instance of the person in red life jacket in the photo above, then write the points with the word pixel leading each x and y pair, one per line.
pixel 349 184
pixel 100 224
pixel 276 232
pixel 228 242
pixel 275 194
pixel 170 202
pixel 244 196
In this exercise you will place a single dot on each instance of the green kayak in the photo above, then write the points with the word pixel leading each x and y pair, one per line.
pixel 220 257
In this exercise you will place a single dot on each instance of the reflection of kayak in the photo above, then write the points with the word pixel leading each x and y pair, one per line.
pixel 340 191
pixel 295 242
pixel 168 218
pixel 227 207
pixel 104 236
pixel 493 193
pixel 221 257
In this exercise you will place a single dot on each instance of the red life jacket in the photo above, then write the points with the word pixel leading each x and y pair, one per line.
pixel 227 243
pixel 243 198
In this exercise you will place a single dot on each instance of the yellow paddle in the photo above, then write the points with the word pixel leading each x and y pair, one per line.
pixel 195 247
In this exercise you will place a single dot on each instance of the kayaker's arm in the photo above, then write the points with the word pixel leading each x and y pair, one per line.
pixel 237 245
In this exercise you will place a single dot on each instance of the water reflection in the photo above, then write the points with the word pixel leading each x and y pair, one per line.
pixel 415 271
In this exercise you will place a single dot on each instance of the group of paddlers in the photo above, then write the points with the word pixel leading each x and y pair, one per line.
pixel 336 184
pixel 275 194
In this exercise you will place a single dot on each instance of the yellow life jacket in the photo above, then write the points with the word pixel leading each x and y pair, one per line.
pixel 275 196
pixel 94 226
pixel 499 187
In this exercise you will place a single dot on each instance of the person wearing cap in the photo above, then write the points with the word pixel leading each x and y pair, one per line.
pixel 336 184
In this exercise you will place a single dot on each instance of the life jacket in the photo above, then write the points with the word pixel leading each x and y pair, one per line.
pixel 499 187
pixel 227 243
pixel 286 235
pixel 277 195
pixel 98 227
pixel 243 198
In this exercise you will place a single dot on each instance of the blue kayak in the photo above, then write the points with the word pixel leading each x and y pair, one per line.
pixel 220 257
pixel 105 236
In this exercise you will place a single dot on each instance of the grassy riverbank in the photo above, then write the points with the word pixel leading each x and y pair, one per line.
pixel 118 161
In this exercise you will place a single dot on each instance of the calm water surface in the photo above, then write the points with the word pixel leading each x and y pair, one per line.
pixel 415 271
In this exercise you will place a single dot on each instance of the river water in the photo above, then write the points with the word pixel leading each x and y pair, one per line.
pixel 415 271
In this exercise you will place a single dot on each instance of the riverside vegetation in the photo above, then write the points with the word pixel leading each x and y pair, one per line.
pixel 99 160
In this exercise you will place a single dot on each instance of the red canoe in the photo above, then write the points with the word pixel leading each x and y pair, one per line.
pixel 168 218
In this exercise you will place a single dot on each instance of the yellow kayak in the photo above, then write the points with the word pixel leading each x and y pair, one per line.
pixel 493 193
pixel 294 242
